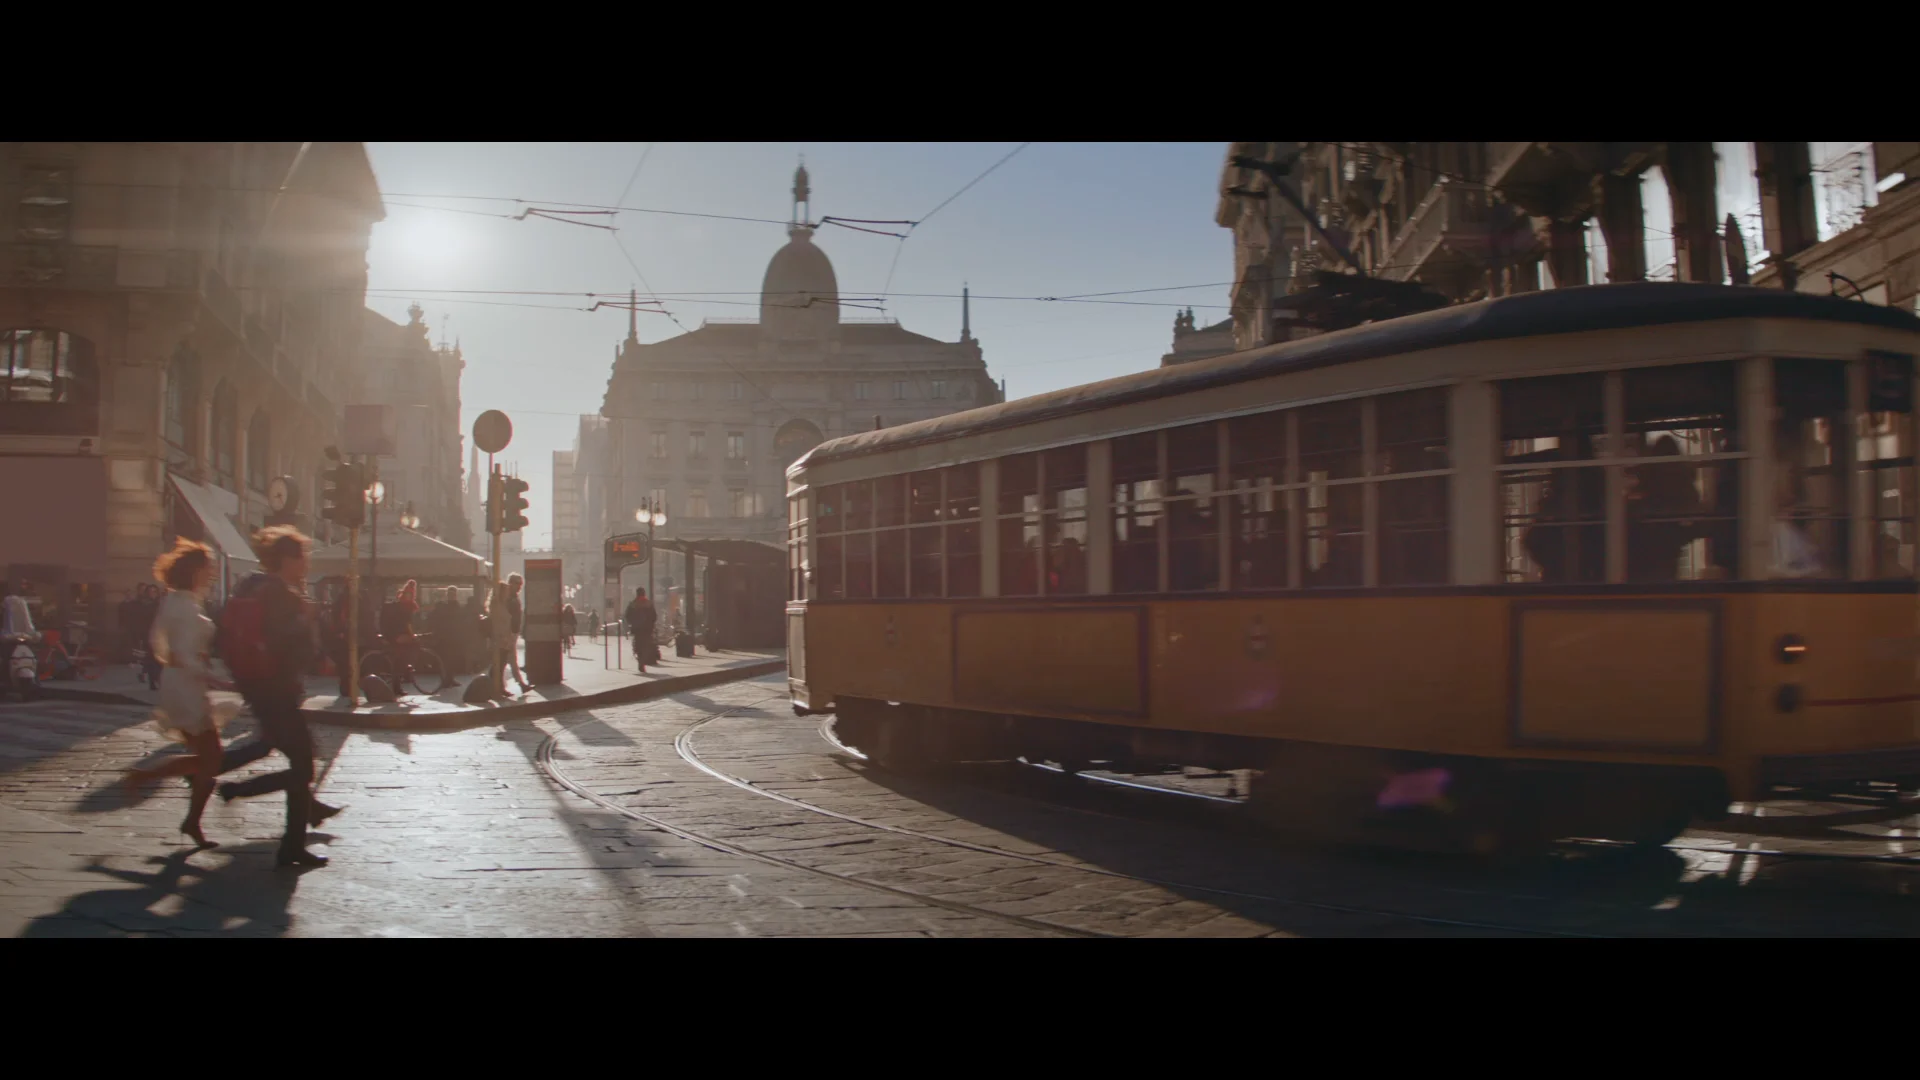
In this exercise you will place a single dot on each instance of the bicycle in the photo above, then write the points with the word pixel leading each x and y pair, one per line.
pixel 59 660
pixel 415 660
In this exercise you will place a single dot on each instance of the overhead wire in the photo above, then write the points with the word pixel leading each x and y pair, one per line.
pixel 894 265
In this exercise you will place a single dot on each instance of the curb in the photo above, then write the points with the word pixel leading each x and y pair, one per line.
pixel 481 717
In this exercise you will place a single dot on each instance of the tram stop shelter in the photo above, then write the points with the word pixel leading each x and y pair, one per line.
pixel 745 583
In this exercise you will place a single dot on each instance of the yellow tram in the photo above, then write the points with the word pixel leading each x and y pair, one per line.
pixel 1591 561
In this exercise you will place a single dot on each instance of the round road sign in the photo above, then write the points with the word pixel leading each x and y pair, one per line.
pixel 492 431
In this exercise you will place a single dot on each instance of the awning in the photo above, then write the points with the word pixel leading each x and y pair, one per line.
pixel 726 550
pixel 403 554
pixel 221 532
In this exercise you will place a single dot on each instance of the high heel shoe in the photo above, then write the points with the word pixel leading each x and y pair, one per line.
pixel 199 838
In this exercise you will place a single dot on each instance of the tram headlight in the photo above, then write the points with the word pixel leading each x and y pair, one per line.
pixel 1790 649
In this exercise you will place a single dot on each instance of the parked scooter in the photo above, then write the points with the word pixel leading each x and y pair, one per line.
pixel 23 672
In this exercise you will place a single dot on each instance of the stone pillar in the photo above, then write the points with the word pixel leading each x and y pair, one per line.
pixel 1787 221
pixel 1696 212
pixel 1622 222
pixel 1566 249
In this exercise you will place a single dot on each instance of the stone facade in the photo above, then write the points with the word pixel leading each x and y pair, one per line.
pixel 1192 342
pixel 709 421
pixel 421 383
pixel 1473 220
pixel 181 324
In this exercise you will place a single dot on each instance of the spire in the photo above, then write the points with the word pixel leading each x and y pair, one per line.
pixel 966 314
pixel 802 194
pixel 633 316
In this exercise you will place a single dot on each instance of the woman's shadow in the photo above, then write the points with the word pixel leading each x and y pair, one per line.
pixel 232 897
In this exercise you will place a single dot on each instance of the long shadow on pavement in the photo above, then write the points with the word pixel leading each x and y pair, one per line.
pixel 229 896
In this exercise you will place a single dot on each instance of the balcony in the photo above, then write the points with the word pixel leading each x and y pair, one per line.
pixel 77 266
pixel 1450 218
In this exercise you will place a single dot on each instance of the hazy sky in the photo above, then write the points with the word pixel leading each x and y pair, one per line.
pixel 1056 220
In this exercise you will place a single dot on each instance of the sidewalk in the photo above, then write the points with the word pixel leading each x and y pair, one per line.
pixel 588 684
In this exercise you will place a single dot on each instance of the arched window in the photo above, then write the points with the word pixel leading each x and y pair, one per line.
pixel 49 384
pixel 183 397
pixel 794 438
pixel 225 433
pixel 259 443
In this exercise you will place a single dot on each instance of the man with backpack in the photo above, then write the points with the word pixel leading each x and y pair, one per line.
pixel 267 638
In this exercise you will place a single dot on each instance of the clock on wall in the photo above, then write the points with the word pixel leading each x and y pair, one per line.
pixel 282 496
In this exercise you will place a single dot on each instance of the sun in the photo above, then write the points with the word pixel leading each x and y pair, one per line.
pixel 419 247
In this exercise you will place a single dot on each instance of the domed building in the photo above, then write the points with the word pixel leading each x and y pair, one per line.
pixel 708 421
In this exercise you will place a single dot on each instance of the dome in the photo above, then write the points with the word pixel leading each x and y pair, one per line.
pixel 799 297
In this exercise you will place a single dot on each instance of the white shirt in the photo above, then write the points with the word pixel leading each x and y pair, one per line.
pixel 17 618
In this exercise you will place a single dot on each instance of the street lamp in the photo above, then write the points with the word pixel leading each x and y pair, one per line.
pixel 409 519
pixel 653 515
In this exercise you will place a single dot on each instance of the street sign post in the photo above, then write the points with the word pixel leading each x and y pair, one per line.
pixel 627 549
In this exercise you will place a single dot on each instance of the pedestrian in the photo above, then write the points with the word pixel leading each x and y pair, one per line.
pixel 268 641
pixel 568 624
pixel 503 619
pixel 146 609
pixel 443 629
pixel 182 638
pixel 641 619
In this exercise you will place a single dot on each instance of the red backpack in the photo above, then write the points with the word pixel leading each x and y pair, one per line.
pixel 243 639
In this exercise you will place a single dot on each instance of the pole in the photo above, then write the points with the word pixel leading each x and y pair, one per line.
pixel 493 585
pixel 353 618
pixel 379 595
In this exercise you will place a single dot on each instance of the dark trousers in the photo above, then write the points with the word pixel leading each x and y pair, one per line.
pixel 150 668
pixel 281 728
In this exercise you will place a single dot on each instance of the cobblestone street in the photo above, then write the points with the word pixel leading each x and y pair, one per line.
pixel 718 813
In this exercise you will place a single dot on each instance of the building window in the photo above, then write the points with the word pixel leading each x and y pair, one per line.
pixel 736 390
pixel 937 389
pixel 225 435
pixel 696 503
pixel 741 503
pixel 736 446
pixel 657 390
pixel 696 444
pixel 182 401
pixel 658 443
pixel 259 451
pixel 862 391
pixel 963 392
pixel 49 384
pixel 45 213
pixel 900 389
pixel 657 499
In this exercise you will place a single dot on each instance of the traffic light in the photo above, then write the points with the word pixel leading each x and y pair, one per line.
pixel 345 501
pixel 513 515
pixel 494 502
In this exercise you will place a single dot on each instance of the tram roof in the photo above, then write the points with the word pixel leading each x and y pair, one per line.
pixel 1571 310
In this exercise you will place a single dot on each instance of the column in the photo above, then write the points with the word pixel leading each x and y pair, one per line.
pixel 1622 223
pixel 1787 221
pixel 1566 249
pixel 1696 212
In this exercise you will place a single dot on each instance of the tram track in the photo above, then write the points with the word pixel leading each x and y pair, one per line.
pixel 684 745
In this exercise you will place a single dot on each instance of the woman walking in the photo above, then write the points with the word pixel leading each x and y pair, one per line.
pixel 181 638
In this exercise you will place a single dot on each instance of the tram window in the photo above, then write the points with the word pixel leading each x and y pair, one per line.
pixel 1552 418
pixel 890 502
pixel 1554 525
pixel 1020 555
pixel 1330 441
pixel 890 548
pixel 1810 515
pixel 1064 528
pixel 923 498
pixel 1335 536
pixel 1683 516
pixel 797 567
pixel 1886 453
pixel 1262 533
pixel 859 504
pixel 1020 484
pixel 1138 513
pixel 1411 431
pixel 1193 511
pixel 1414 534
pixel 829 577
pixel 962 530
pixel 860 566
pixel 963 559
pixel 828 508
pixel 923 551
